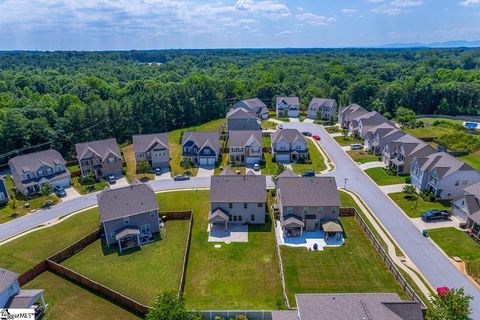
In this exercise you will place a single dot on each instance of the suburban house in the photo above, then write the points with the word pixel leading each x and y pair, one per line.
pixel 399 153
pixel 129 215
pixel 468 204
pixel 242 119
pixel 308 203
pixel 201 147
pixel 348 113
pixel 256 105
pixel 377 138
pixel 238 199
pixel 443 175
pixel 102 157
pixel 289 145
pixel 152 148
pixel 3 192
pixel 245 146
pixel 11 296
pixel 31 171
pixel 320 108
pixel 288 107
pixel 360 125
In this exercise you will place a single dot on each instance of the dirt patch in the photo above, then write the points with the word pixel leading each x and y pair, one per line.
pixel 460 265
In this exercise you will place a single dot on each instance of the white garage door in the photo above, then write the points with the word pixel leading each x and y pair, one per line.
pixel 207 161
pixel 203 161
pixel 293 113
pixel 62 182
pixel 211 161
pixel 282 157
pixel 252 160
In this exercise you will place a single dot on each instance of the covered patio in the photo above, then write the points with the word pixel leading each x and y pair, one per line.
pixel 128 238
pixel 218 217
pixel 292 226
pixel 29 299
pixel 332 229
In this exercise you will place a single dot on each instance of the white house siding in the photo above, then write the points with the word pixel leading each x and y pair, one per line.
pixel 238 209
pixel 459 208
pixel 452 185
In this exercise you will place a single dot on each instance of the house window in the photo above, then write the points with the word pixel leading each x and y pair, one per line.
pixel 289 210
pixel 245 205
pixel 10 290
pixel 2 196
pixel 85 163
pixel 28 176
pixel 111 160
pixel 299 147
pixel 59 168
pixel 49 171
pixel 334 211
pixel 230 205
pixel 305 210
pixel 235 218
pixel 240 218
pixel 126 220
pixel 112 235
pixel 463 202
pixel 145 228
pixel 320 210
pixel 229 217
pixel 40 173
pixel 207 151
pixel 152 214
pixel 260 204
pixel 252 217
pixel 148 154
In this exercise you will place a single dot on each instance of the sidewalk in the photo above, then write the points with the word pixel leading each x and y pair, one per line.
pixel 373 164
pixel 393 188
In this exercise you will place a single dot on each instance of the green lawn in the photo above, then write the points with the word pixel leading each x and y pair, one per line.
pixel 68 300
pixel 472 159
pixel 140 274
pixel 267 141
pixel 362 156
pixel 316 157
pixel 284 119
pixel 129 155
pixel 333 129
pixel 302 118
pixel 432 120
pixel 269 125
pixel 427 132
pixel 414 208
pixel 175 144
pixel 353 267
pixel 84 189
pixel 235 276
pixel 456 243
pixel 225 164
pixel 269 168
pixel 346 141
pixel 380 176
pixel 73 168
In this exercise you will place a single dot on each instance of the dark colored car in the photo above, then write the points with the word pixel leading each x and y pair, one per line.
pixel 59 191
pixel 111 179
pixel 158 171
pixel 307 133
pixel 436 215
pixel 308 173
pixel 181 177
pixel 316 137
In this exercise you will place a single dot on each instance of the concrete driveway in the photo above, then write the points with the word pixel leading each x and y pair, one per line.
pixel 119 183
pixel 294 120
pixel 164 176
pixel 205 171
pixel 437 224
pixel 373 164
pixel 393 188
pixel 71 194
pixel 308 120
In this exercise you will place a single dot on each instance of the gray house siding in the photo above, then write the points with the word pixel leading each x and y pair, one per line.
pixel 252 210
pixel 112 226
pixel 3 192
pixel 243 124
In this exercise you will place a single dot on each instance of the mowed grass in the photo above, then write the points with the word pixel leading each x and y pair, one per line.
pixel 235 276
pixel 316 157
pixel 174 143
pixel 67 300
pixel 362 156
pixel 415 207
pixel 353 267
pixel 346 141
pixel 432 120
pixel 269 168
pixel 472 159
pixel 456 243
pixel 269 125
pixel 428 132
pixel 139 274
pixel 380 176
pixel 84 189
pixel 129 155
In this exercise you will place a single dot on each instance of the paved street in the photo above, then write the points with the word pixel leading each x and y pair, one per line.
pixel 434 265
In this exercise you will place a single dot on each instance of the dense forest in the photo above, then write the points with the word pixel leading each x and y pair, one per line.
pixel 61 98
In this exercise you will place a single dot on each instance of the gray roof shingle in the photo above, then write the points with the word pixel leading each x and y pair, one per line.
pixel 241 113
pixel 308 191
pixel 102 148
pixel 318 102
pixel 289 100
pixel 202 138
pixel 7 277
pixel 445 164
pixel 33 161
pixel 290 135
pixel 239 138
pixel 238 188
pixel 143 142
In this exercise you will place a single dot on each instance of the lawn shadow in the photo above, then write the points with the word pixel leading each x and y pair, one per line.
pixel 266 227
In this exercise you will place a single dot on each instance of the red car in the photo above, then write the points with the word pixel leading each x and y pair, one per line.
pixel 316 137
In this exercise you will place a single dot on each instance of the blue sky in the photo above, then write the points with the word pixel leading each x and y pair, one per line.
pixel 159 24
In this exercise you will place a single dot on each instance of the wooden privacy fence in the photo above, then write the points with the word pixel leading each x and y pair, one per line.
pixel 76 246
pixel 32 273
pixel 250 314
pixel 185 256
pixel 347 212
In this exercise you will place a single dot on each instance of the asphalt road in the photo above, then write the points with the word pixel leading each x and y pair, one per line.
pixel 432 262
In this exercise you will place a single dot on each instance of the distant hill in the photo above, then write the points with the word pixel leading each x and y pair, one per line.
pixel 446 44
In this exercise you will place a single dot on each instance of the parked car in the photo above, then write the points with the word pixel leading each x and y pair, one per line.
pixel 308 173
pixel 158 171
pixel 280 126
pixel 316 137
pixel 111 179
pixel 356 146
pixel 436 215
pixel 307 133
pixel 59 191
pixel 181 177
pixel 256 167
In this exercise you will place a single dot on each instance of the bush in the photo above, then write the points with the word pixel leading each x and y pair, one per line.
pixel 408 179
pixel 428 196
pixel 391 171
pixel 89 179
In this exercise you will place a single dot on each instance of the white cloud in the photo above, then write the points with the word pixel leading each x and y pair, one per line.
pixel 284 33
pixel 314 19
pixel 469 3
pixel 349 11
pixel 406 3
pixel 396 7
pixel 375 1
pixel 267 7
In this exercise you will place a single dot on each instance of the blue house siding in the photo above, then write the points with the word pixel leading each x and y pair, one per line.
pixel 3 192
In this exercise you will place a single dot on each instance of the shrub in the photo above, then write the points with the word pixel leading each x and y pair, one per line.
pixel 408 179
pixel 88 179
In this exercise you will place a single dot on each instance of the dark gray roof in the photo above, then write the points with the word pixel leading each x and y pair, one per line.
pixel 287 173
pixel 127 231
pixel 289 100
pixel 290 135
pixel 241 113
pixel 352 111
pixel 239 138
pixel 24 299
pixel 144 142
pixel 474 189
pixel 348 306
pixel 238 188
pixel 33 161
pixel 7 277
pixel 101 148
pixel 318 102
pixel 308 191
pixel 254 103
pixel 373 119
pixel 203 138
pixel 127 201
pixel 445 164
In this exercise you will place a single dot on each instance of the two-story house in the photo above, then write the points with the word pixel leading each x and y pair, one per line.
pixel 377 138
pixel 152 148
pixel 468 203
pixel 348 113
pixel 245 146
pixel 102 157
pixel 11 296
pixel 308 204
pixel 3 192
pixel 201 147
pixel 288 107
pixel 443 175
pixel 367 124
pixel 242 119
pixel 237 199
pixel 320 108
pixel 399 154
pixel 129 215
pixel 289 145
pixel 31 171
pixel 256 105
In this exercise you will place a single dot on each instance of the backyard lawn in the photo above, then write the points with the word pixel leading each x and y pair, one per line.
pixel 432 120
pixel 84 189
pixel 362 156
pixel 235 276
pixel 225 164
pixel 333 129
pixel 139 274
pixel 427 132
pixel 174 142
pixel 269 168
pixel 269 125
pixel 472 159
pixel 316 157
pixel 73 168
pixel 380 176
pixel 66 298
pixel 455 243
pixel 415 207
pixel 346 141
pixel 267 141
pixel 353 267
pixel 129 155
